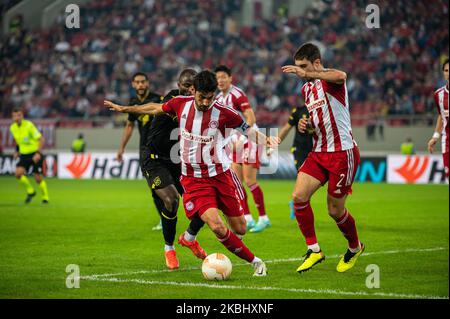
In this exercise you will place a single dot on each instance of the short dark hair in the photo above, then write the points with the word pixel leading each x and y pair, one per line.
pixel 309 52
pixel 17 109
pixel 444 64
pixel 187 76
pixel 205 82
pixel 223 68
pixel 139 74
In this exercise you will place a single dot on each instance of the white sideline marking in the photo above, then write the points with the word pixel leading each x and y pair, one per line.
pixel 314 291
pixel 274 261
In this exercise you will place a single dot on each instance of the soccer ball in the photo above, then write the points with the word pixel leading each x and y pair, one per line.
pixel 216 267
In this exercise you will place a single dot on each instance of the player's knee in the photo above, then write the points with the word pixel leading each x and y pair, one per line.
pixel 171 203
pixel 300 197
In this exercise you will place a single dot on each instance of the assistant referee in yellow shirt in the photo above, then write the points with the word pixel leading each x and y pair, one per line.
pixel 29 142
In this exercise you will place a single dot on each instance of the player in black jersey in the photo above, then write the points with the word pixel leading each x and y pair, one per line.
pixel 302 144
pixel 160 162
pixel 140 84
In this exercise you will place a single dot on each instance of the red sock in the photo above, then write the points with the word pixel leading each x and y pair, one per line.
pixel 305 220
pixel 244 203
pixel 236 246
pixel 258 196
pixel 347 226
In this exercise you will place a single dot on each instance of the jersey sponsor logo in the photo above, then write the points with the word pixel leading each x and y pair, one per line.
pixel 79 164
pixel 213 124
pixel 316 104
pixel 197 138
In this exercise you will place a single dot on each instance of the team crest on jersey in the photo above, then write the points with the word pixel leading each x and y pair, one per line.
pixel 319 85
pixel 213 124
pixel 189 206
pixel 157 181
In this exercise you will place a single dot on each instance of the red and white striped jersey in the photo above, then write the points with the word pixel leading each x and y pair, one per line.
pixel 441 101
pixel 235 99
pixel 328 109
pixel 203 135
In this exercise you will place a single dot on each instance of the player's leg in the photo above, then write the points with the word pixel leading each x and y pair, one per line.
pixel 250 173
pixel 39 178
pixel 238 225
pixel 160 181
pixel 238 170
pixel 446 164
pixel 310 178
pixel 21 168
pixel 339 187
pixel 189 237
pixel 231 241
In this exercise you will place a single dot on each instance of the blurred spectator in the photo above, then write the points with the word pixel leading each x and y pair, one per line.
pixel 79 145
pixel 407 147
pixel 68 73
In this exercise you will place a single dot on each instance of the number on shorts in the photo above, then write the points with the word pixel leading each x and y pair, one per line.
pixel 339 184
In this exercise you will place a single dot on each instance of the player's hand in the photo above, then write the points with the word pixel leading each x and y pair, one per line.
pixel 112 106
pixel 431 144
pixel 272 142
pixel 295 70
pixel 16 155
pixel 119 156
pixel 302 125
pixel 37 157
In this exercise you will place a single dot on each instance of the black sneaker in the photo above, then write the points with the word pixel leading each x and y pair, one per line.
pixel 29 197
pixel 44 201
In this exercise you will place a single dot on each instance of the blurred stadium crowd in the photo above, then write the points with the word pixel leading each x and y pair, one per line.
pixel 63 72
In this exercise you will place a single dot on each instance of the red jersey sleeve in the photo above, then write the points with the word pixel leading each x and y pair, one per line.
pixel 242 104
pixel 173 106
pixel 436 102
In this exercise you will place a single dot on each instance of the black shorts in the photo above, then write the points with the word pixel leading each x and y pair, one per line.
pixel 26 161
pixel 299 157
pixel 160 174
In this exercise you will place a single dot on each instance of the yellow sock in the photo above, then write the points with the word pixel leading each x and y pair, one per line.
pixel 26 183
pixel 44 190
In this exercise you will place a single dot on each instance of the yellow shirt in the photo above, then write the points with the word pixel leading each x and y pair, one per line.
pixel 26 136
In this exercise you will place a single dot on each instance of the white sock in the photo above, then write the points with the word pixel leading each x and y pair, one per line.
pixel 248 218
pixel 168 247
pixel 188 236
pixel 315 248
pixel 264 218
pixel 256 260
pixel 355 250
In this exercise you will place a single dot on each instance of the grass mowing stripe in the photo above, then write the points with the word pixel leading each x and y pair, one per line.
pixel 274 261
pixel 295 290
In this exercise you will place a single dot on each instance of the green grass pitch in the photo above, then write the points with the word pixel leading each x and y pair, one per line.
pixel 104 227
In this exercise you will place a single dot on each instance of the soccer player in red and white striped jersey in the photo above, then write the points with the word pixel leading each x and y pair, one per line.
pixel 206 177
pixel 334 157
pixel 246 154
pixel 442 130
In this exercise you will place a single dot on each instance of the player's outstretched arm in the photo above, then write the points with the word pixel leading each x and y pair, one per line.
pixel 261 139
pixel 328 75
pixel 284 131
pixel 149 108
